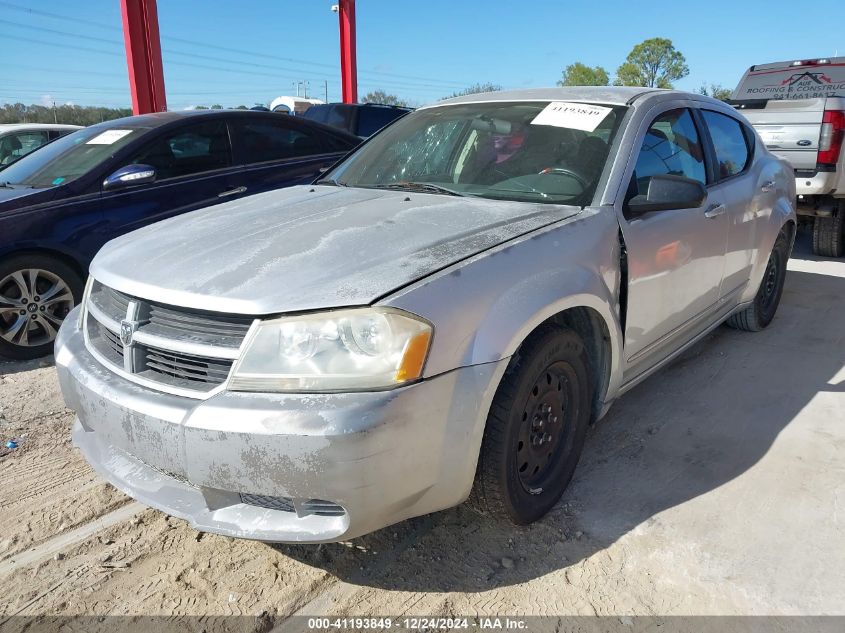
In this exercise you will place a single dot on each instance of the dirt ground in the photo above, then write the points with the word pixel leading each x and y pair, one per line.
pixel 715 487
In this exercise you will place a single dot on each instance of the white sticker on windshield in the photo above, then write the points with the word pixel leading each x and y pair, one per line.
pixel 108 137
pixel 575 116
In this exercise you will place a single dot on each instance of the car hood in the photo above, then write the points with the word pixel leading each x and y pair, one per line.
pixel 309 247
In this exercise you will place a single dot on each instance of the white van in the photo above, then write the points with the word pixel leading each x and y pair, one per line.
pixel 292 105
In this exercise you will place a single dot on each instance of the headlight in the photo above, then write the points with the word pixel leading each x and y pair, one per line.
pixel 366 348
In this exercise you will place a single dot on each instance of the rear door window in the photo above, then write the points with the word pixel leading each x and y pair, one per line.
pixel 264 141
pixel 188 150
pixel 729 142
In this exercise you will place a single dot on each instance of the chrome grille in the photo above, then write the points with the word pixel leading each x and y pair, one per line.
pixel 112 340
pixel 181 350
pixel 186 367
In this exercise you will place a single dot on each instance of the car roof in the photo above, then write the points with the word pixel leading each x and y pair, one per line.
pixel 365 104
pixel 158 119
pixel 612 95
pixel 8 127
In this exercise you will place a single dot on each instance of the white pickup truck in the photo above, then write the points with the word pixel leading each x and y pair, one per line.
pixel 798 108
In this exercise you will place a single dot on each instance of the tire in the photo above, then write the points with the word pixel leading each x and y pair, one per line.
pixel 549 374
pixel 761 312
pixel 829 234
pixel 36 293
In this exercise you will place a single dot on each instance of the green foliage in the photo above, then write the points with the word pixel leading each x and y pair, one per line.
pixel 653 63
pixel 474 89
pixel 380 96
pixel 217 106
pixel 579 74
pixel 241 107
pixel 67 114
pixel 716 91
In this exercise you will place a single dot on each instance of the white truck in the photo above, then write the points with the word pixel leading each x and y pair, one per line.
pixel 798 108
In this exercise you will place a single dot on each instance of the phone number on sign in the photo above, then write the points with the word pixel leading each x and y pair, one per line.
pixel 411 624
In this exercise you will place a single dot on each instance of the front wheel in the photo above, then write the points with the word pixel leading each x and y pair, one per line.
pixel 536 428
pixel 762 310
pixel 36 293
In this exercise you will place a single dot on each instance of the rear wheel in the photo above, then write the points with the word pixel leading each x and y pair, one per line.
pixel 761 312
pixel 36 294
pixel 536 428
pixel 829 234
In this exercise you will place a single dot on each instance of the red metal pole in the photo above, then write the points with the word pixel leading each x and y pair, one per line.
pixel 143 55
pixel 348 60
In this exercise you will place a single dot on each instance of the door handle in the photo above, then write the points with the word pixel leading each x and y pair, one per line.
pixel 714 210
pixel 768 186
pixel 231 192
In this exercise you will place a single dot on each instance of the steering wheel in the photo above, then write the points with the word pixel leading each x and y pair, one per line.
pixel 566 172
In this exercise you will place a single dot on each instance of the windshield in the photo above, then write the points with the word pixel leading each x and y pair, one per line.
pixel 532 152
pixel 68 158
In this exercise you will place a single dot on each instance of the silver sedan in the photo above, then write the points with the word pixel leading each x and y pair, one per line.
pixel 445 311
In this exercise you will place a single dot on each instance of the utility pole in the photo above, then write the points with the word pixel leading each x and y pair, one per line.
pixel 326 86
pixel 348 57
pixel 55 116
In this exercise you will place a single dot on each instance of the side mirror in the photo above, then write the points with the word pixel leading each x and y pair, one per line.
pixel 668 192
pixel 129 176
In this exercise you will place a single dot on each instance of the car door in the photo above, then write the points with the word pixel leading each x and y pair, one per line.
pixel 675 258
pixel 748 195
pixel 194 169
pixel 278 152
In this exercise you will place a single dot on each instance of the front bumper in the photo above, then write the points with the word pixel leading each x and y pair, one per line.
pixel 381 456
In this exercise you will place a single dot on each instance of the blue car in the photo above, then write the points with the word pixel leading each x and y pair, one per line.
pixel 61 203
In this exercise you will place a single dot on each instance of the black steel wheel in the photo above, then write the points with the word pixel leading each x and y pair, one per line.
pixel 536 428
pixel 762 310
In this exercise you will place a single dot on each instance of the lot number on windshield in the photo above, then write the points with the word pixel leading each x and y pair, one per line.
pixel 575 116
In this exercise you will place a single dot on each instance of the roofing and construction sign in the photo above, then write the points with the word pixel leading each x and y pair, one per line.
pixel 801 82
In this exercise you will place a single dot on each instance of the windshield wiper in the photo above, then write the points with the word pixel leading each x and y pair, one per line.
pixel 425 187
pixel 331 181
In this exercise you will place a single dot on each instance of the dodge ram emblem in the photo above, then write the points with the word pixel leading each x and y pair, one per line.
pixel 127 329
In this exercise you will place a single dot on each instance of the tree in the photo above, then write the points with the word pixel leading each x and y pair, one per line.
pixel 476 88
pixel 380 96
pixel 653 63
pixel 716 91
pixel 67 113
pixel 241 107
pixel 579 74
pixel 217 106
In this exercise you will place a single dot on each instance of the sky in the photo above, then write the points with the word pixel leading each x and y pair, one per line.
pixel 251 51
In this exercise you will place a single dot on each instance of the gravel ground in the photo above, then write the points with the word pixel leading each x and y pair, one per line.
pixel 715 487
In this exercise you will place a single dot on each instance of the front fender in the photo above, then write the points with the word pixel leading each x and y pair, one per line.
pixel 485 307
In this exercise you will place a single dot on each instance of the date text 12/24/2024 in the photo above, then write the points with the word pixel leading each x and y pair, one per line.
pixel 417 623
